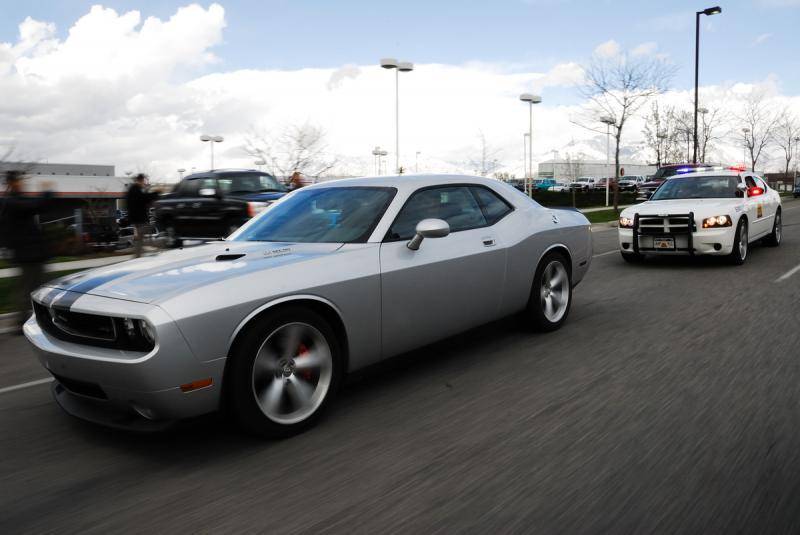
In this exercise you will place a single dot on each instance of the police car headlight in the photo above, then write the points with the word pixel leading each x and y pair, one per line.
pixel 625 222
pixel 717 221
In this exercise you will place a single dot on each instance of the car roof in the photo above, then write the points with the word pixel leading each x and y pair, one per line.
pixel 218 172
pixel 408 182
pixel 708 172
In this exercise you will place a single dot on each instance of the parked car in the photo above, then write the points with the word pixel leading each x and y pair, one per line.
pixel 702 212
pixel 584 183
pixel 797 190
pixel 333 278
pixel 125 236
pixel 631 182
pixel 558 187
pixel 214 204
pixel 543 183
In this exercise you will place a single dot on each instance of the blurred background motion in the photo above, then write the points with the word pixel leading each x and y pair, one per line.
pixel 668 403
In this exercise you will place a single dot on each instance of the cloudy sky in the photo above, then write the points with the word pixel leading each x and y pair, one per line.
pixel 134 83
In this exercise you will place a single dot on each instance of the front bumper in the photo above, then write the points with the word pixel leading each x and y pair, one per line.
pixel 118 388
pixel 704 242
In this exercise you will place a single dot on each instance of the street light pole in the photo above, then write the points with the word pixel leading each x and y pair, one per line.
pixel 608 121
pixel 205 138
pixel 744 148
pixel 398 66
pixel 531 100
pixel 702 140
pixel 180 172
pixel 525 137
pixel 709 11
pixel 416 162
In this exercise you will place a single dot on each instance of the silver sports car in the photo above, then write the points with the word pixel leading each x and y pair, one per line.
pixel 331 278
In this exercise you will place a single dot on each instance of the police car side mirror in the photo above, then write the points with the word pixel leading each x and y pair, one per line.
pixel 740 190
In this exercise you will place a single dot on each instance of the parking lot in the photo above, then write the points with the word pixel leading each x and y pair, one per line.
pixel 668 402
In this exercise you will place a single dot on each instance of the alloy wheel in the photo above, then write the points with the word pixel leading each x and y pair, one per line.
pixel 292 373
pixel 554 292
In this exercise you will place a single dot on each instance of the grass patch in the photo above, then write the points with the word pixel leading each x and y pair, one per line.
pixel 602 216
pixel 8 289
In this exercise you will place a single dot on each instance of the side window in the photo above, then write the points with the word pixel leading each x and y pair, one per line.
pixel 455 204
pixel 494 208
pixel 761 184
pixel 189 188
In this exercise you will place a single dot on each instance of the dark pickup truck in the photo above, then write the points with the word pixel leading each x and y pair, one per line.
pixel 213 204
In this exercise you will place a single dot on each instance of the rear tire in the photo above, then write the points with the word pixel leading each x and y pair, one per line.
pixel 172 241
pixel 551 294
pixel 741 245
pixel 284 372
pixel 774 239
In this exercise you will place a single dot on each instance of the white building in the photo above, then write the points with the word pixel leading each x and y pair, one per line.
pixel 570 169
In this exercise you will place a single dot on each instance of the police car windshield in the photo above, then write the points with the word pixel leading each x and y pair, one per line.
pixel 707 187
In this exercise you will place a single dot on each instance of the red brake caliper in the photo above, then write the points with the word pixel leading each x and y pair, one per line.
pixel 303 350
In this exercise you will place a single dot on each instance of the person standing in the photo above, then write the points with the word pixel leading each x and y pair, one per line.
pixel 296 181
pixel 24 238
pixel 138 201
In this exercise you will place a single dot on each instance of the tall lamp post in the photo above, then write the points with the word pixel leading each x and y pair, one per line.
pixel 608 121
pixel 709 11
pixel 702 145
pixel 416 162
pixel 211 140
pixel 525 139
pixel 531 100
pixel 258 163
pixel 398 66
pixel 745 131
pixel 180 172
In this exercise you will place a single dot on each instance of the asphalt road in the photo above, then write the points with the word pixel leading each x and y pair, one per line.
pixel 669 402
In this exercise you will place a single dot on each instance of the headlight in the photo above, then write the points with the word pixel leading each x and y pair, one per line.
pixel 136 335
pixel 255 208
pixel 626 222
pixel 717 221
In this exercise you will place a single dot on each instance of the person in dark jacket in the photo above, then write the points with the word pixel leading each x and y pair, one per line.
pixel 24 237
pixel 138 201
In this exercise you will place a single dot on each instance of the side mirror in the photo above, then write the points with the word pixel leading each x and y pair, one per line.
pixel 740 190
pixel 428 228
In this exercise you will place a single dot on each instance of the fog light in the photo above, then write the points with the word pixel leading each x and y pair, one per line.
pixel 626 245
pixel 717 246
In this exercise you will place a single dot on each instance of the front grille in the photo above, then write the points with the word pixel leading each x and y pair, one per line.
pixel 82 388
pixel 88 329
pixel 679 227
pixel 661 225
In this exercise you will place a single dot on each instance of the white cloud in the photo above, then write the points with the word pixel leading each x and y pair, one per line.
pixel 644 49
pixel 137 93
pixel 609 49
pixel 761 38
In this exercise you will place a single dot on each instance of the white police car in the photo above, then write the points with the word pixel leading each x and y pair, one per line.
pixel 706 211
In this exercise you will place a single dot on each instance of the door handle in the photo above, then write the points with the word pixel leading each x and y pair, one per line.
pixel 488 242
pixel 180 205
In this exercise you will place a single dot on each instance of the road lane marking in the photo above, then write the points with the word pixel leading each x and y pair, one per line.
pixel 604 254
pixel 788 274
pixel 25 385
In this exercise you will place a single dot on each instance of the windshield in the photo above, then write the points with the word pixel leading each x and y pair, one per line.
pixel 707 187
pixel 345 214
pixel 249 183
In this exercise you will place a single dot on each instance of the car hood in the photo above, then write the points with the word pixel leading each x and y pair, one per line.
pixel 700 207
pixel 266 196
pixel 154 278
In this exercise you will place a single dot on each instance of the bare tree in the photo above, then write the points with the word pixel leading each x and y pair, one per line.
pixel 298 148
pixel 758 124
pixel 709 130
pixel 488 161
pixel 617 88
pixel 787 137
pixel 684 133
pixel 665 132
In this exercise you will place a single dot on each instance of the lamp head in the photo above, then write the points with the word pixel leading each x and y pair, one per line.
pixel 389 63
pixel 712 10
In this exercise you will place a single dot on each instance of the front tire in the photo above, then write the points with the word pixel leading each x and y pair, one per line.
pixel 284 372
pixel 741 244
pixel 774 239
pixel 551 295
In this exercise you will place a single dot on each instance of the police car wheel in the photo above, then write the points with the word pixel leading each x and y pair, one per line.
pixel 741 244
pixel 774 238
